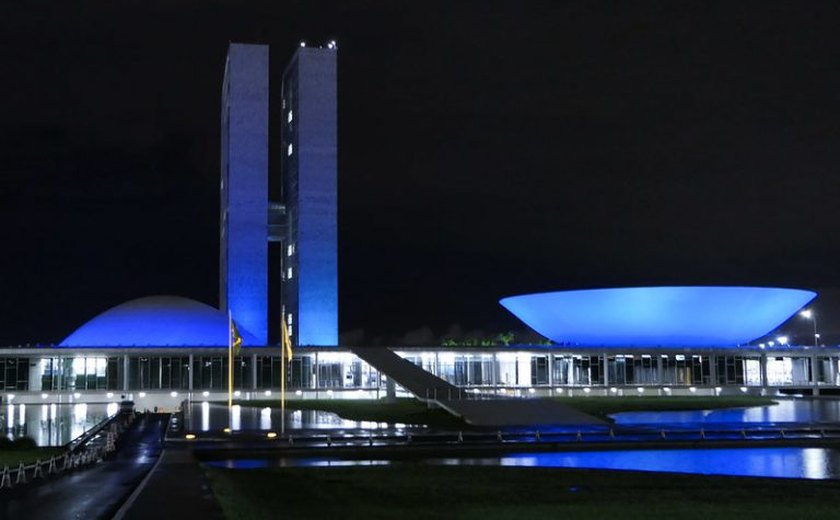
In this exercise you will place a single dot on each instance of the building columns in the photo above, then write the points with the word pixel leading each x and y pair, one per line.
pixel 126 377
pixel 763 371
pixel 254 371
pixel 190 376
pixel 713 380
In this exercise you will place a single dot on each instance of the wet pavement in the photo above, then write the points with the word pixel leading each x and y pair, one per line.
pixel 96 492
pixel 177 488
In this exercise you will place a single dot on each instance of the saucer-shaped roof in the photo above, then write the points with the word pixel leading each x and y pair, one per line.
pixel 658 316
pixel 156 321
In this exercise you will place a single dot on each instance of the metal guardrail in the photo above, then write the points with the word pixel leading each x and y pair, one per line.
pixel 87 435
pixel 460 394
pixel 600 436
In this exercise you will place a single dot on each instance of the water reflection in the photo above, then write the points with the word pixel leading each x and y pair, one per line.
pixel 310 462
pixel 265 419
pixel 807 463
pixel 786 411
pixel 207 416
pixel 810 463
pixel 52 424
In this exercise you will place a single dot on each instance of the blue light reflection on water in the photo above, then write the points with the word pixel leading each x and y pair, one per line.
pixel 809 463
pixel 806 463
pixel 786 411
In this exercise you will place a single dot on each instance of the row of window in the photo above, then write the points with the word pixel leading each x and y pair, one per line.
pixel 347 371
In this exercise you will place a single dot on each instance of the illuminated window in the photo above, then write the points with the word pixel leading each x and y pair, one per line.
pixel 290 250
pixel 289 118
pixel 289 318
pixel 289 149
pixel 289 273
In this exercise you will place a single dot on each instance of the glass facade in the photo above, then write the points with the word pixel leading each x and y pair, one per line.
pixel 78 373
pixel 14 374
pixel 342 370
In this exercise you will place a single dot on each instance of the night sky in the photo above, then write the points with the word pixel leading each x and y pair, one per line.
pixel 485 149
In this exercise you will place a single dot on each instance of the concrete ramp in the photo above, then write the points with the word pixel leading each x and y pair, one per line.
pixel 424 385
pixel 478 410
pixel 518 412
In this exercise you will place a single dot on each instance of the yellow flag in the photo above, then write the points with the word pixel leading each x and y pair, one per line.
pixel 287 341
pixel 236 339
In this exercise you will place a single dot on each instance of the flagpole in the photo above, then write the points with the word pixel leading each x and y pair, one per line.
pixel 230 373
pixel 284 335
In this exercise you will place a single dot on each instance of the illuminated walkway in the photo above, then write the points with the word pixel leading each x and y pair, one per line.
pixel 475 409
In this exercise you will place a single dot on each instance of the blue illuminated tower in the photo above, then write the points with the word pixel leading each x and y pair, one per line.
pixel 310 185
pixel 243 258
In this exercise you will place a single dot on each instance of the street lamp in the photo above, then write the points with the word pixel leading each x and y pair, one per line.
pixel 808 314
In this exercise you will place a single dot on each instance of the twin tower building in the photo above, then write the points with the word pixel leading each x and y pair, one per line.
pixel 300 231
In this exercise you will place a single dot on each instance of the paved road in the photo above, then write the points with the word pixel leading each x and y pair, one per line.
pixel 177 488
pixel 96 492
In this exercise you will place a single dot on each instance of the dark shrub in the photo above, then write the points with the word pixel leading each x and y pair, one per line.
pixel 24 443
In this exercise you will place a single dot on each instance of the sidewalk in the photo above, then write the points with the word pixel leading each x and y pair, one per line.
pixel 176 488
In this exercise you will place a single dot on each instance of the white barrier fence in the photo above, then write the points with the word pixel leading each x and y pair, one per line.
pixel 92 449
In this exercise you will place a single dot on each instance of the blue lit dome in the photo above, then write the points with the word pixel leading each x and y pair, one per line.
pixel 156 321
pixel 658 316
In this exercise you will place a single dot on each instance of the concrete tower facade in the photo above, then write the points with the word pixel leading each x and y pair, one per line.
pixel 243 259
pixel 310 267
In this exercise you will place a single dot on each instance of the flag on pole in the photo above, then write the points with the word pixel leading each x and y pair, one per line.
pixel 235 338
pixel 287 340
pixel 285 354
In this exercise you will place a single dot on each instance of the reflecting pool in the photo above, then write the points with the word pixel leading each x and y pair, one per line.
pixel 205 416
pixel 812 411
pixel 811 463
pixel 805 463
pixel 52 424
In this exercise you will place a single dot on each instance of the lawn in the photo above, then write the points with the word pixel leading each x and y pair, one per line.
pixel 412 411
pixel 411 491
pixel 12 457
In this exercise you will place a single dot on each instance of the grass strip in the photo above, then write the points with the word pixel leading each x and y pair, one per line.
pixel 13 457
pixel 411 491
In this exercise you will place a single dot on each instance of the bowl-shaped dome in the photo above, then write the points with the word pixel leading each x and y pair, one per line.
pixel 156 321
pixel 658 316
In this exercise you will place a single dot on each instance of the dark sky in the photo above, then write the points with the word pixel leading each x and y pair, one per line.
pixel 485 149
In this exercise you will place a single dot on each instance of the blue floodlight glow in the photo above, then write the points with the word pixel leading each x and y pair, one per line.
pixel 156 321
pixel 658 316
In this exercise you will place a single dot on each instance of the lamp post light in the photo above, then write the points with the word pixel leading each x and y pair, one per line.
pixel 808 314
